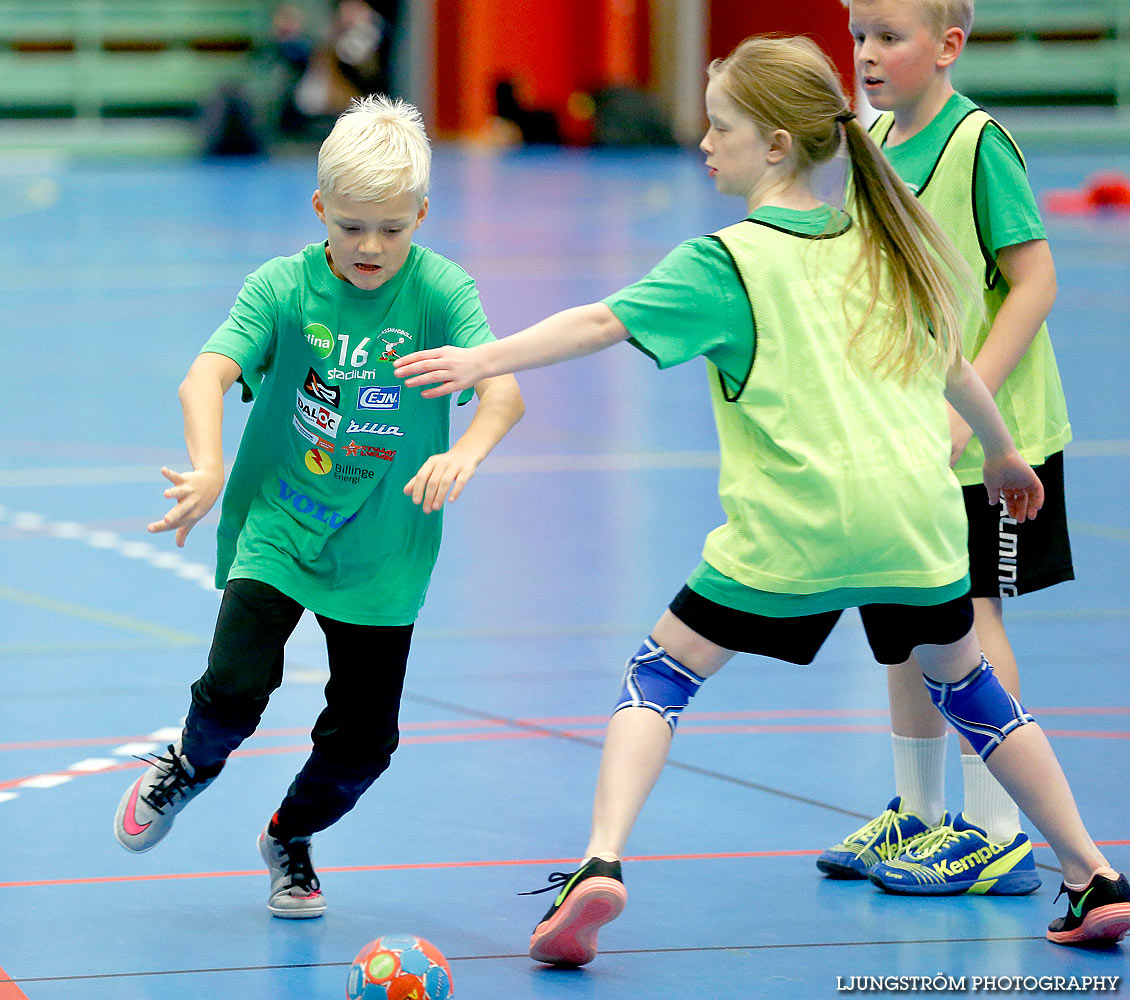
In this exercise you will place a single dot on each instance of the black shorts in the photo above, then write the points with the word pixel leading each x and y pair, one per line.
pixel 893 630
pixel 1007 559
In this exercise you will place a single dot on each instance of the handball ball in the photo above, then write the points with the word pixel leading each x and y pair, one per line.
pixel 399 967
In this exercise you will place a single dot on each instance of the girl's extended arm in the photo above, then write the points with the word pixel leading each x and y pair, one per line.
pixel 202 399
pixel 571 333
pixel 1006 474
pixel 499 408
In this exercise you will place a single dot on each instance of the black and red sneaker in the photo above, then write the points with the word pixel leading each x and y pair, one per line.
pixel 587 899
pixel 1099 912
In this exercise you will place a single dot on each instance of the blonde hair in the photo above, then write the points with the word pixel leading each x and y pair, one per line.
pixel 378 149
pixel 940 15
pixel 790 84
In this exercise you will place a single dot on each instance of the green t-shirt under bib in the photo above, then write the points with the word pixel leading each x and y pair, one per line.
pixel 314 505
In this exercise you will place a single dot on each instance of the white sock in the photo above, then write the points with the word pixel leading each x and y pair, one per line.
pixel 920 775
pixel 987 804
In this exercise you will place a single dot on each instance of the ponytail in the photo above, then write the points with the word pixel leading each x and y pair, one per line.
pixel 791 84
pixel 926 273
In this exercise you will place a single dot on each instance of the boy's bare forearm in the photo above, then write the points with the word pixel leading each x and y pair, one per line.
pixel 1029 272
pixel 201 396
pixel 498 409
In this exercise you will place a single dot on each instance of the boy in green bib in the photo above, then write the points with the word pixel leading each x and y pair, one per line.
pixel 833 344
pixel 334 504
pixel 967 172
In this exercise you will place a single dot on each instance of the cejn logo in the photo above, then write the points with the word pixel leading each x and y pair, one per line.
pixel 318 416
pixel 379 397
pixel 317 389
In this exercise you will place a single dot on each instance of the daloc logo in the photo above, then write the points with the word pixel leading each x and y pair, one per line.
pixel 379 397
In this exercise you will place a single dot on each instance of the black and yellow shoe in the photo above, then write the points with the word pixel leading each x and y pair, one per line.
pixel 587 899
pixel 1100 912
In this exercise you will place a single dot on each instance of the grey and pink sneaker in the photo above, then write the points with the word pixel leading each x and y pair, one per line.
pixel 149 806
pixel 296 893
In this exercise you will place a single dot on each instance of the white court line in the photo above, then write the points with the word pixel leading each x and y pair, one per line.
pixel 44 781
pixel 174 560
pixel 133 749
pixel 92 764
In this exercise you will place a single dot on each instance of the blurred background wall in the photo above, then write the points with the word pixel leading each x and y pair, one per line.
pixel 177 77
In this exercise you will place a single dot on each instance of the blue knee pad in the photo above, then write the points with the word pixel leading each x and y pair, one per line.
pixel 979 708
pixel 654 679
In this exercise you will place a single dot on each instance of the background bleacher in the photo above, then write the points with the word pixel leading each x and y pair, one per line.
pixel 74 70
pixel 113 77
pixel 1046 56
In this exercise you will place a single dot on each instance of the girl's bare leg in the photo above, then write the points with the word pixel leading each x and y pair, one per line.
pixel 636 745
pixel 1026 766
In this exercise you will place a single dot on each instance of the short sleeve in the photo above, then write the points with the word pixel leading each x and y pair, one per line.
pixel 247 336
pixel 691 304
pixel 1005 205
pixel 466 322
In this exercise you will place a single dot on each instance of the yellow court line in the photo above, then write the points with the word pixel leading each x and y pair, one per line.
pixel 169 635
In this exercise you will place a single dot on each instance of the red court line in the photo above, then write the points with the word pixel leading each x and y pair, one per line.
pixel 571 720
pixel 439 865
pixel 688 729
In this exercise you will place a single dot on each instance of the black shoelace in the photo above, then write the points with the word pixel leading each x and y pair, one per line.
pixel 175 780
pixel 556 880
pixel 297 864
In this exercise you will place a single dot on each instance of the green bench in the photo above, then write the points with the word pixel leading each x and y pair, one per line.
pixel 124 58
pixel 1052 52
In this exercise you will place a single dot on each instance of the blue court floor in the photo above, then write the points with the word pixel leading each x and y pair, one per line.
pixel 557 560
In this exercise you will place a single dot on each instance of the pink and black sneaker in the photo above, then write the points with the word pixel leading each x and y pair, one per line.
pixel 587 899
pixel 1098 913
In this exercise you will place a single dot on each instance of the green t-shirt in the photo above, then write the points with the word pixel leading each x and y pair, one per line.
pixel 1005 205
pixel 694 303
pixel 314 504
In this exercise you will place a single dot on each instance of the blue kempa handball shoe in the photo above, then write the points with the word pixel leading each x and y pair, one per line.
pixel 960 859
pixel 891 833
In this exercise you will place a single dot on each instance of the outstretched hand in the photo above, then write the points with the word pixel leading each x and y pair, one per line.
pixel 195 492
pixel 1012 480
pixel 439 475
pixel 449 369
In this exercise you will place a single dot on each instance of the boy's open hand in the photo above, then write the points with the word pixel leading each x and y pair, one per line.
pixel 1011 478
pixel 453 368
pixel 449 471
pixel 195 492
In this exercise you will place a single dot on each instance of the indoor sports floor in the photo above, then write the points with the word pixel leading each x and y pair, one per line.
pixel 557 560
